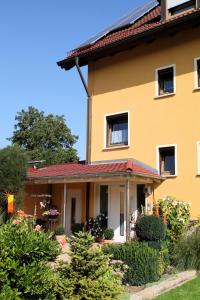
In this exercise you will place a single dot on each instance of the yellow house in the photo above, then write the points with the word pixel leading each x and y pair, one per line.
pixel 143 128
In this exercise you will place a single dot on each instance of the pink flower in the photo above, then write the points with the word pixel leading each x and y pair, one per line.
pixel 38 228
pixel 62 242
pixel 16 222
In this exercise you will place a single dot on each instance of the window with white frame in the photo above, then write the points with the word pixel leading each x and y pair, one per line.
pixel 197 72
pixel 167 160
pixel 165 80
pixel 198 157
pixel 117 130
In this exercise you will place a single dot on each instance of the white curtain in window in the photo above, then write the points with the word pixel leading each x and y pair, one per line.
pixel 119 133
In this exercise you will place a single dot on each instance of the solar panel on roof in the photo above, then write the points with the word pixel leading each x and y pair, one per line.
pixel 124 21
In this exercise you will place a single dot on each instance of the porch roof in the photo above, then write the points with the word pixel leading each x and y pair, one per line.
pixel 77 172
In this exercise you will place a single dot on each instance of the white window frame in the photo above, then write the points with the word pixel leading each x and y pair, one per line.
pixel 196 86
pixel 105 130
pixel 158 158
pixel 157 81
pixel 198 157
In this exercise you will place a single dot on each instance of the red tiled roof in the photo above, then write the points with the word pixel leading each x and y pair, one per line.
pixel 147 22
pixel 139 26
pixel 76 169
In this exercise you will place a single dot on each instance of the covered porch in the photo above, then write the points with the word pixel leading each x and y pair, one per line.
pixel 118 190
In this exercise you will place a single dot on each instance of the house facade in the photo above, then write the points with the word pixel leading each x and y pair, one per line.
pixel 143 129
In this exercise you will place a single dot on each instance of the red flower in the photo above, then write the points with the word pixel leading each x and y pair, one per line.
pixel 157 211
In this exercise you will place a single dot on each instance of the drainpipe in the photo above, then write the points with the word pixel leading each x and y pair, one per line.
pixel 88 134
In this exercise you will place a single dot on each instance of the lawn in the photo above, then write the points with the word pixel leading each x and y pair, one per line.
pixel 125 297
pixel 188 291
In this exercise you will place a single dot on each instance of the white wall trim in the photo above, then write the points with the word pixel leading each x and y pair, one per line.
pixel 176 157
pixel 105 127
pixel 196 86
pixel 156 80
pixel 198 157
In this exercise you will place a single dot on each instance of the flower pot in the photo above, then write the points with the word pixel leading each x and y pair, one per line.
pixel 108 242
pixel 99 239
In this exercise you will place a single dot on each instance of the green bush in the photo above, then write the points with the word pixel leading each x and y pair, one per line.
pixel 143 262
pixel 162 247
pixel 89 271
pixel 150 228
pixel 59 230
pixel 108 234
pixel 24 251
pixel 187 252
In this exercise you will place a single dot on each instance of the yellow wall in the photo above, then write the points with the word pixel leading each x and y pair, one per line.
pixel 126 82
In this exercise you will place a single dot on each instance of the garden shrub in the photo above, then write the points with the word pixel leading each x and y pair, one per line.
pixel 89 271
pixel 187 252
pixel 150 228
pixel 24 251
pixel 177 216
pixel 142 260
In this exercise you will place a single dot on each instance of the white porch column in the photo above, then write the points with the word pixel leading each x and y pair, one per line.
pixel 128 210
pixel 64 205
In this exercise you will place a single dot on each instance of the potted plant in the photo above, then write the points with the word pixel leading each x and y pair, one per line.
pixel 108 235
pixel 52 213
pixel 76 227
pixel 95 227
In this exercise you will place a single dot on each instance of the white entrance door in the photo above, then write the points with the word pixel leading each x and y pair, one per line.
pixel 117 212
pixel 73 209
pixel 112 204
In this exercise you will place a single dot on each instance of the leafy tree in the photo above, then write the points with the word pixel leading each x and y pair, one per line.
pixel 12 173
pixel 44 137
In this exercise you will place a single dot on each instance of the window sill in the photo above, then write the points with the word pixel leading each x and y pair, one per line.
pixel 197 89
pixel 168 176
pixel 116 148
pixel 165 96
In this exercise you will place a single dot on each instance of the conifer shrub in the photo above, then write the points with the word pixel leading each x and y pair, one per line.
pixel 89 270
pixel 142 260
pixel 151 228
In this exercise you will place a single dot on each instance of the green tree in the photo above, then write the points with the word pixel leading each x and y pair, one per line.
pixel 12 173
pixel 89 271
pixel 44 137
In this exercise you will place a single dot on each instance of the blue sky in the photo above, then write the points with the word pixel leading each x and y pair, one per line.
pixel 34 36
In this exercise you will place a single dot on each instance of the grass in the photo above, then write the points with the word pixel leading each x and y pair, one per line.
pixel 188 291
pixel 125 297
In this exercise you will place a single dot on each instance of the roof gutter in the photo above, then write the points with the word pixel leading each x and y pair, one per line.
pixel 92 176
pixel 88 122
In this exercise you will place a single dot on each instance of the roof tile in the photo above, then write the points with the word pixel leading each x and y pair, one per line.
pixel 76 169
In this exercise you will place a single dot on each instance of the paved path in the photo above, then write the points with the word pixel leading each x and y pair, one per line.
pixel 164 286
